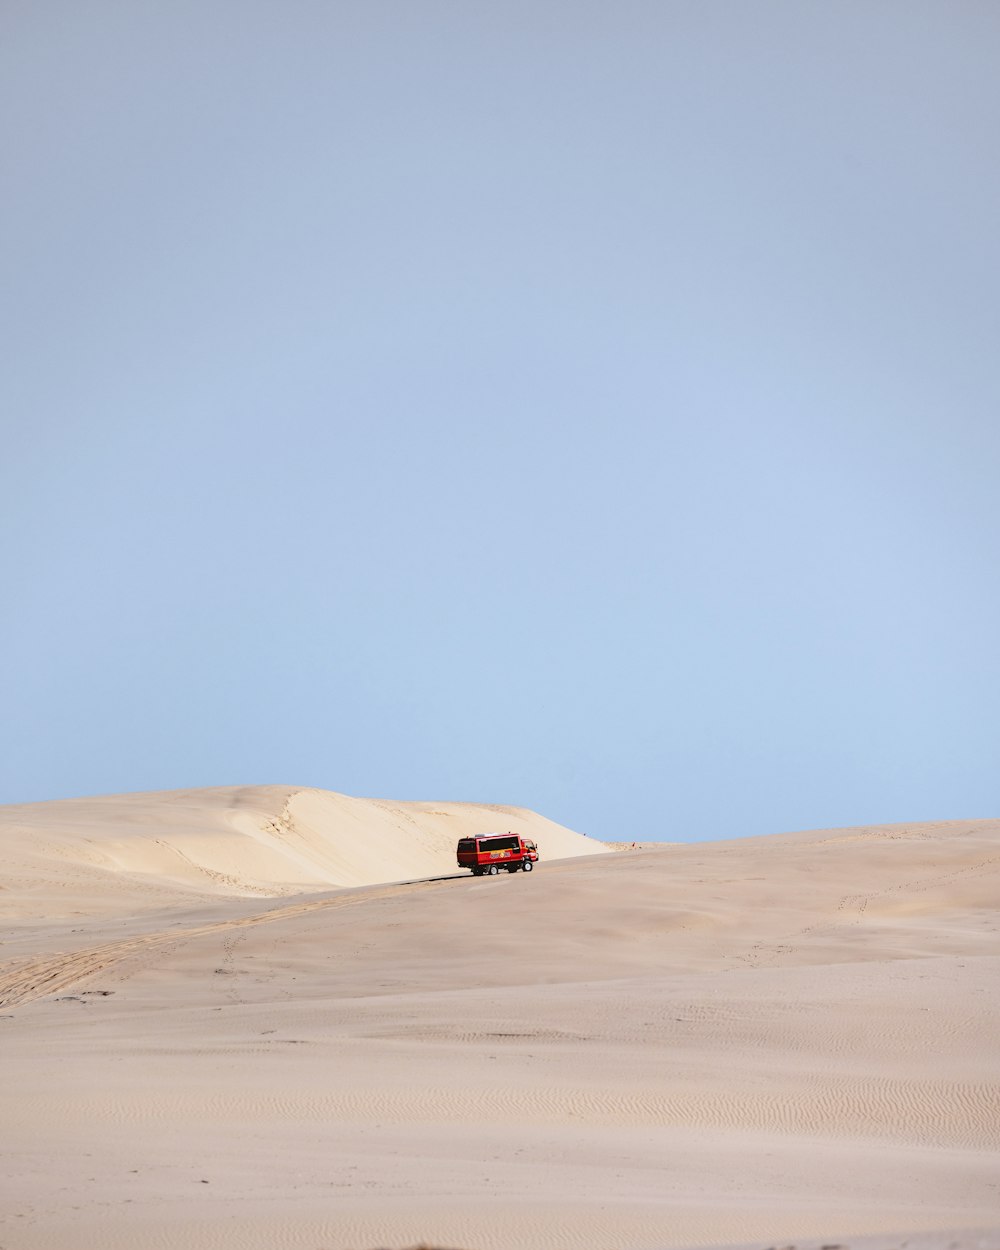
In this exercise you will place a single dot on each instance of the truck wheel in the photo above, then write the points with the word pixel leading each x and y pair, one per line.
pixel 527 865
pixel 493 870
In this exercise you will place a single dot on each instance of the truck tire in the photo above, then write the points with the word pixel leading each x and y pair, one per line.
pixel 493 870
pixel 527 865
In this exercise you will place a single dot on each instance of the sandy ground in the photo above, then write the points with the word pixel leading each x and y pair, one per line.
pixel 778 1041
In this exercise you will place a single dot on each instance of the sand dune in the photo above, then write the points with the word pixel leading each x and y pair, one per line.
pixel 785 1040
pixel 136 851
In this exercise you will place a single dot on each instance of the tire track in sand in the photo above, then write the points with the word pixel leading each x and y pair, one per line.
pixel 26 980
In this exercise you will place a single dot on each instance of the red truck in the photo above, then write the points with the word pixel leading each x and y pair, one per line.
pixel 489 852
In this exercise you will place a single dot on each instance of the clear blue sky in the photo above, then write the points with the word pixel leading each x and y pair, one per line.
pixel 594 407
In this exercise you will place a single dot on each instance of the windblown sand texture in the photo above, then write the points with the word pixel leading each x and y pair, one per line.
pixel 236 1018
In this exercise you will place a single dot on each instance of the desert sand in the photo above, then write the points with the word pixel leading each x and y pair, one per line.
pixel 271 1017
